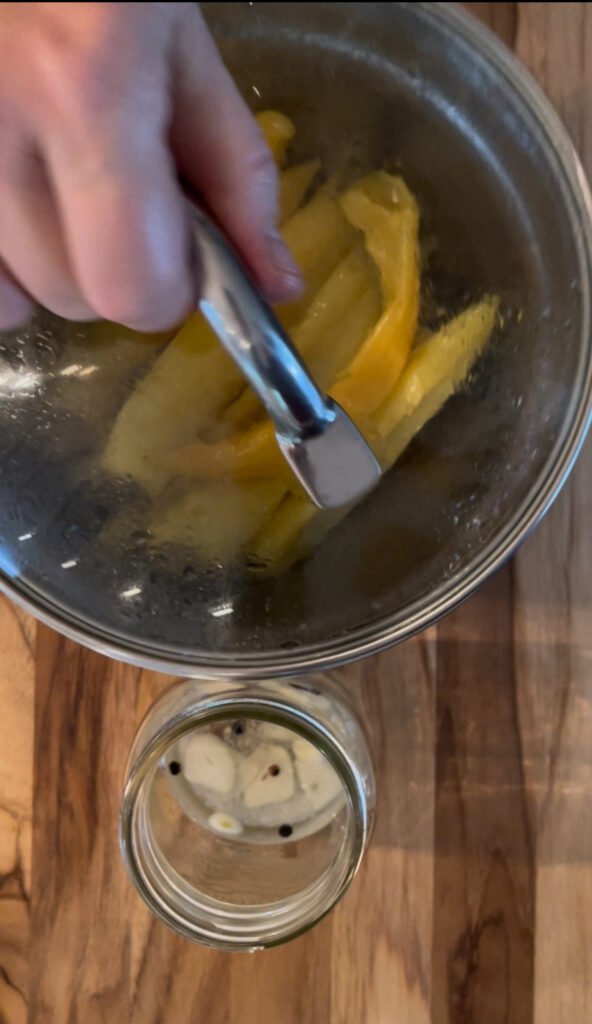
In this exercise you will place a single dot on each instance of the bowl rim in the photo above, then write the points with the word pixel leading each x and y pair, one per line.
pixel 384 632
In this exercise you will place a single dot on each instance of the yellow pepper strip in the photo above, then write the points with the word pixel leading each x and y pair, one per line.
pixel 391 238
pixel 188 385
pixel 391 235
pixel 327 360
pixel 436 369
pixel 327 337
pixel 217 519
pixel 318 236
pixel 294 184
pixel 292 532
pixel 278 130
pixel 337 323
pixel 441 362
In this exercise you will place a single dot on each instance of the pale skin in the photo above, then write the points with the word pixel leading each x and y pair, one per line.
pixel 103 106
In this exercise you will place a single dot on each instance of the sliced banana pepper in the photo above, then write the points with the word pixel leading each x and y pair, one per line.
pixel 390 230
pixel 318 236
pixel 329 334
pixel 187 386
pixel 436 369
pixel 216 519
pixel 277 130
pixel 356 324
pixel 295 182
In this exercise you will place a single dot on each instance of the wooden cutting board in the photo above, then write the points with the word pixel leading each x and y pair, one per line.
pixel 475 902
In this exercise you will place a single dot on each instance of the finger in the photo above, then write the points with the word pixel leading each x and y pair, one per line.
pixel 219 148
pixel 15 306
pixel 31 241
pixel 125 225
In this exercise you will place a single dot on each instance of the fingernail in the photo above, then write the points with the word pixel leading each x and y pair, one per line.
pixel 292 288
pixel 282 258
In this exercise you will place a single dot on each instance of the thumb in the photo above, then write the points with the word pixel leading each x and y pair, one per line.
pixel 219 148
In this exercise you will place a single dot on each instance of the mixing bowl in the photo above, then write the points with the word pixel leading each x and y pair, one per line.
pixel 505 208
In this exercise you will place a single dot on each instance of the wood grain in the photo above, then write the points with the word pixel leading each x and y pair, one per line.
pixel 474 905
pixel 553 618
pixel 17 640
pixel 484 898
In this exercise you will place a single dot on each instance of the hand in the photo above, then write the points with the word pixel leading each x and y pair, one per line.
pixel 102 105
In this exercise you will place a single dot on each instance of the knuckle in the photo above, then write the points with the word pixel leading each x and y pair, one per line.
pixel 89 66
pixel 91 86
pixel 142 309
pixel 69 305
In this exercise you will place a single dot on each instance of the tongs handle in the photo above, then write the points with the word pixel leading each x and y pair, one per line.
pixel 324 449
pixel 252 334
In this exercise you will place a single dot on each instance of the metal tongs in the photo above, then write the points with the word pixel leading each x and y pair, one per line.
pixel 323 448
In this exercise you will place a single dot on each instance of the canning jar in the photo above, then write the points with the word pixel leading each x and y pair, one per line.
pixel 247 807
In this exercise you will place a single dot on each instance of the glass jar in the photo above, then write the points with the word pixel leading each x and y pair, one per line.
pixel 247 807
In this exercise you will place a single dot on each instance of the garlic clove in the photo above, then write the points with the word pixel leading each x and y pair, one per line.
pixel 319 781
pixel 224 824
pixel 266 776
pixel 208 762
pixel 305 751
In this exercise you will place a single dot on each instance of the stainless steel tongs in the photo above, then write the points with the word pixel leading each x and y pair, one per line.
pixel 323 448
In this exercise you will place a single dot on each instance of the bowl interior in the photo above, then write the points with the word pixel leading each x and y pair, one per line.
pixel 403 86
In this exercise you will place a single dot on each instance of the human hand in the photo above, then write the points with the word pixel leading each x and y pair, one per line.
pixel 102 106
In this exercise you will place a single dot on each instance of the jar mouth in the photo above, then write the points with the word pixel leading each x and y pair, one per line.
pixel 233 920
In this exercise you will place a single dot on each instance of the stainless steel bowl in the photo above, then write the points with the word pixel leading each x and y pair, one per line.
pixel 505 208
